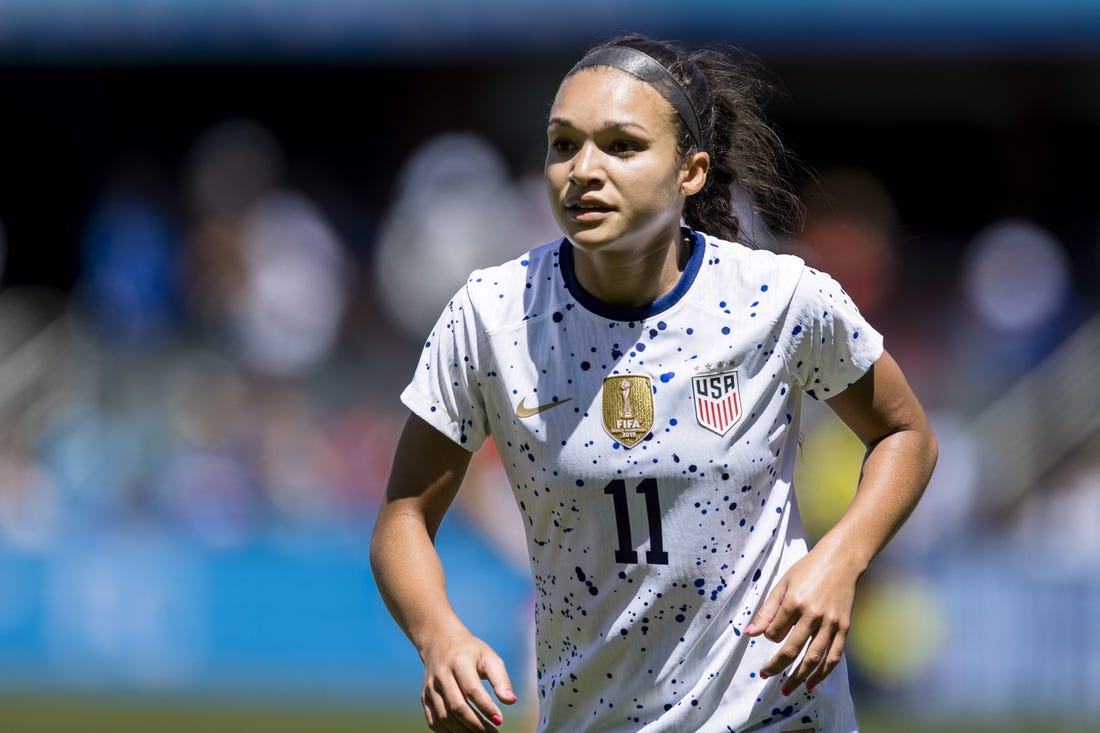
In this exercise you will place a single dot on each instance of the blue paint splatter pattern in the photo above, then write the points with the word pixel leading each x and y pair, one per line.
pixel 650 560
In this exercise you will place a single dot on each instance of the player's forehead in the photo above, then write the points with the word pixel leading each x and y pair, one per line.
pixel 596 95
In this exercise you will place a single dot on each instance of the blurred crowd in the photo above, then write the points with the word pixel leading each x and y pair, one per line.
pixel 228 366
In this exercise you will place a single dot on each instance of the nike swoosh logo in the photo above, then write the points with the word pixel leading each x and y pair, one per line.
pixel 522 410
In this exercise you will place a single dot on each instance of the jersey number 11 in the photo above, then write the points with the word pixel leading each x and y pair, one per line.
pixel 626 553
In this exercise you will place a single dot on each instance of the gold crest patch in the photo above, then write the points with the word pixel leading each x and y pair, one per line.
pixel 628 408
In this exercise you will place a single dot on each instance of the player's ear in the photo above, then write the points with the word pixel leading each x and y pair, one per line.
pixel 695 173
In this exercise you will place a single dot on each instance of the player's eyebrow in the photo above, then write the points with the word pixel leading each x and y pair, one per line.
pixel 607 124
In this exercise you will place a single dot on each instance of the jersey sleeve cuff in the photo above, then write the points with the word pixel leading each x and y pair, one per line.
pixel 435 414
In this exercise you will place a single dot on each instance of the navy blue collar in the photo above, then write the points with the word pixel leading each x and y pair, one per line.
pixel 640 312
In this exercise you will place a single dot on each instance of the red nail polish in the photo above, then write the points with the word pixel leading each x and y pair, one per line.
pixel 497 720
pixel 763 675
pixel 787 691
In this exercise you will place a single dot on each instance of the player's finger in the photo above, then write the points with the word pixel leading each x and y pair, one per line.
pixel 456 713
pixel 429 716
pixel 764 616
pixel 832 659
pixel 789 650
pixel 476 694
pixel 491 668
pixel 789 614
pixel 815 654
pixel 435 712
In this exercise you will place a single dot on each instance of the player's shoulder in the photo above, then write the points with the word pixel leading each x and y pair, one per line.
pixel 760 269
pixel 507 292
pixel 745 255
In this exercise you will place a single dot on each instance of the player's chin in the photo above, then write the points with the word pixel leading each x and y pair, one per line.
pixel 592 240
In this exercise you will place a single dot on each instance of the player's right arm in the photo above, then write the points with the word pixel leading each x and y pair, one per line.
pixel 427 471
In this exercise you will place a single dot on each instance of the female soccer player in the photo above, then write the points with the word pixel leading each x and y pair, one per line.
pixel 642 379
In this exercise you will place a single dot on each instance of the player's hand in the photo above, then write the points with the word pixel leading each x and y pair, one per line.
pixel 811 605
pixel 454 697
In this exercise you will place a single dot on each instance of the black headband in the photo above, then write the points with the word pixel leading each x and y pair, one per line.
pixel 643 66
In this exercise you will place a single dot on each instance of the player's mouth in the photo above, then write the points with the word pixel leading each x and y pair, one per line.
pixel 587 211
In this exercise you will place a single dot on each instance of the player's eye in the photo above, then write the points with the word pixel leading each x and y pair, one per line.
pixel 562 145
pixel 624 147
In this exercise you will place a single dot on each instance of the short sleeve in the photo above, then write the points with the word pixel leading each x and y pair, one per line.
pixel 828 344
pixel 446 390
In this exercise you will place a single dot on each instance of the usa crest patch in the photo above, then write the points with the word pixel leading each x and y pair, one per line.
pixel 717 401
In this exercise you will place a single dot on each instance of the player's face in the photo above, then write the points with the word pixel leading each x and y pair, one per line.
pixel 615 176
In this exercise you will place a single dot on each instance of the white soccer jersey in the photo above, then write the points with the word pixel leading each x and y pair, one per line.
pixel 651 452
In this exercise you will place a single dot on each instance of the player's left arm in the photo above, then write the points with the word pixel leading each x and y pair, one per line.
pixel 812 604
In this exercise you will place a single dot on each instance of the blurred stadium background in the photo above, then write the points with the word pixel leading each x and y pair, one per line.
pixel 225 227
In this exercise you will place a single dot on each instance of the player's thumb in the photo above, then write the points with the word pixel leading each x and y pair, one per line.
pixel 493 670
pixel 767 612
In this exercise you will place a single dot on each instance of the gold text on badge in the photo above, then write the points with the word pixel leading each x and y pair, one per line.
pixel 627 408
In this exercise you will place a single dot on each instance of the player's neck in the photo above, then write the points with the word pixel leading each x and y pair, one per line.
pixel 629 278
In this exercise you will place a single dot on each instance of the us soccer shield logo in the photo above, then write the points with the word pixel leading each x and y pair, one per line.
pixel 717 402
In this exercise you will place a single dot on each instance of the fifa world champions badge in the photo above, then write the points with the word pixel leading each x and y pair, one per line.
pixel 628 408
pixel 717 401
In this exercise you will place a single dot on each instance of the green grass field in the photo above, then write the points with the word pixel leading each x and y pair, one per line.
pixel 32 714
